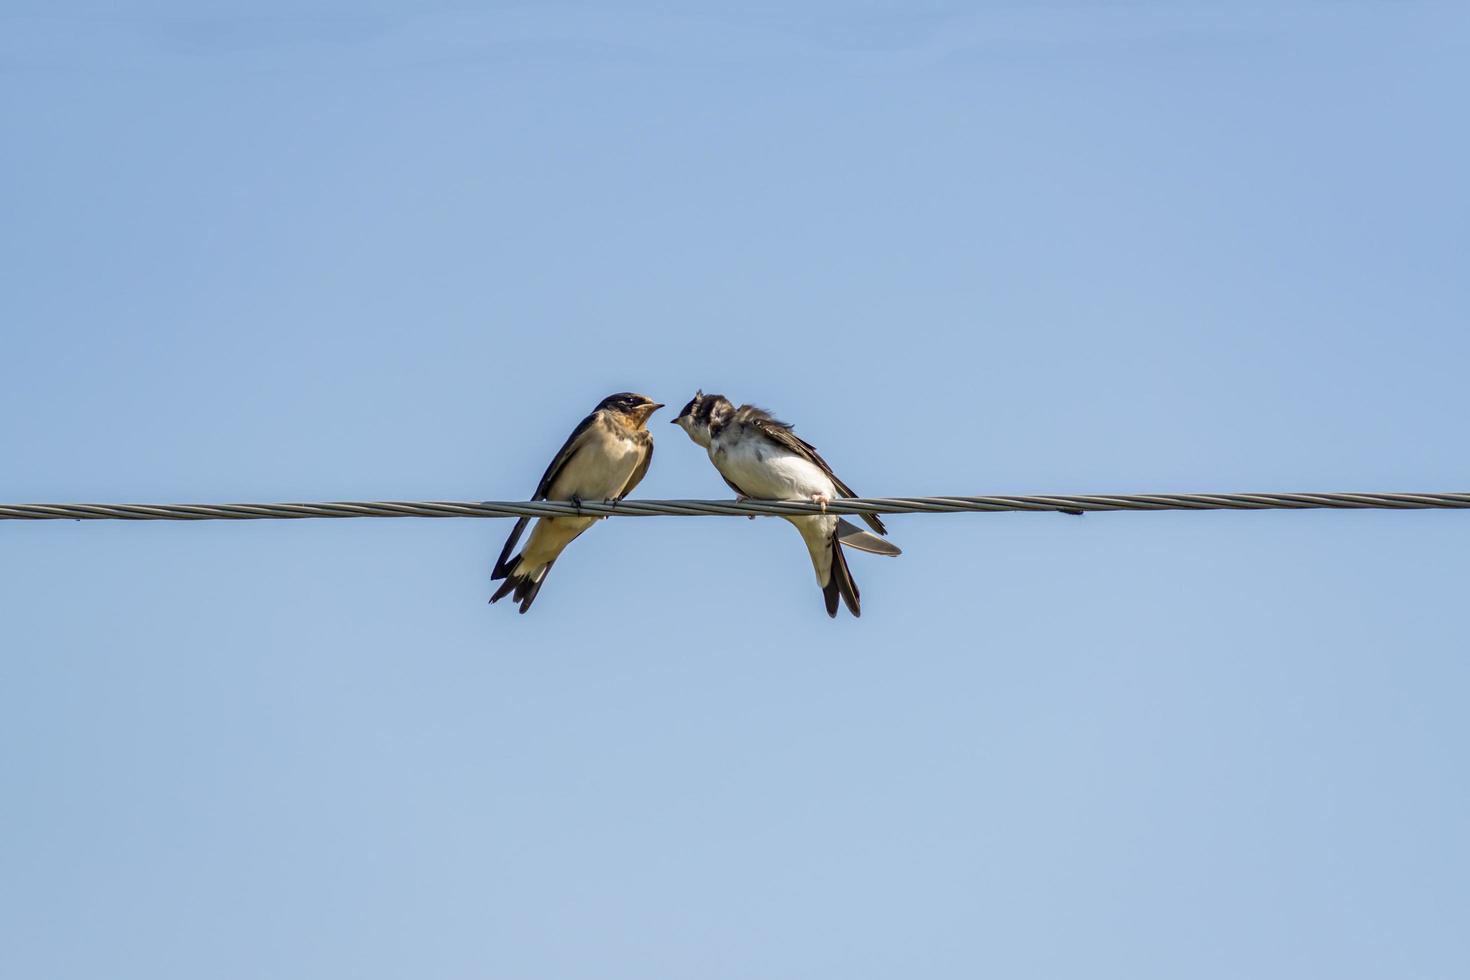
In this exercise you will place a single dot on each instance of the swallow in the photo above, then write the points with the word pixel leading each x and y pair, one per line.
pixel 761 458
pixel 604 458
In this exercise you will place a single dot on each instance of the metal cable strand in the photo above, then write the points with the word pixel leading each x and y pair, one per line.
pixel 735 508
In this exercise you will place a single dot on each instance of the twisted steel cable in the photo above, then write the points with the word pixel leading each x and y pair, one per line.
pixel 736 508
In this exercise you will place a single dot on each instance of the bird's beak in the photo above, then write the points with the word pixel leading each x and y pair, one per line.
pixel 655 407
pixel 674 421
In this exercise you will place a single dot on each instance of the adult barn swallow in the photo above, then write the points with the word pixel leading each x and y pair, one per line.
pixel 604 458
pixel 762 458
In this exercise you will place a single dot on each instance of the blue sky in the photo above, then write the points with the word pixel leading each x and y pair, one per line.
pixel 375 250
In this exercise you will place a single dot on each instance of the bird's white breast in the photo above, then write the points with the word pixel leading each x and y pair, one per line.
pixel 762 468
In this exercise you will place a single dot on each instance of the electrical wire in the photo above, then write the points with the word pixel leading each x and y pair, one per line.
pixel 738 508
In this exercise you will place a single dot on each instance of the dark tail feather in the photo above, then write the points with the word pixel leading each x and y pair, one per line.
pixel 505 589
pixel 505 562
pixel 841 583
pixel 829 595
pixel 521 588
pixel 875 522
pixel 527 591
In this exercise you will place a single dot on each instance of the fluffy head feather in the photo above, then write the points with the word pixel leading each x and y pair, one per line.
pixel 704 415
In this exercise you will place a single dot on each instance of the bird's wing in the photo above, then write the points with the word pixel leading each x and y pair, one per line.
pixel 569 449
pixel 785 438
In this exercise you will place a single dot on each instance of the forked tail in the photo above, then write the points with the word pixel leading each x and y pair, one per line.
pixel 521 584
pixel 840 583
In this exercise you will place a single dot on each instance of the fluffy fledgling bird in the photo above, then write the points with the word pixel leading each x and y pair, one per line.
pixel 762 458
pixel 604 458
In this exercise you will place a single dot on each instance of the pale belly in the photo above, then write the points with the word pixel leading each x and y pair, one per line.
pixel 766 471
pixel 599 472
pixel 550 536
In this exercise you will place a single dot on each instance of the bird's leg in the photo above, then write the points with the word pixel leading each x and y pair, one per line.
pixel 741 498
pixel 821 500
pixel 576 502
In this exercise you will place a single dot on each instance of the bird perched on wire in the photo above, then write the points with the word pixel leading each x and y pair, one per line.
pixel 604 458
pixel 762 458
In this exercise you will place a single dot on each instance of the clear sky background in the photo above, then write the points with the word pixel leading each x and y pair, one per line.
pixel 344 250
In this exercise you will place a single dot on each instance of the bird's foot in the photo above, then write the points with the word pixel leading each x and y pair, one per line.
pixel 821 500
pixel 741 498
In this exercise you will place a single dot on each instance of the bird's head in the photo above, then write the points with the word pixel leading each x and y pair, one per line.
pixel 630 406
pixel 702 415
